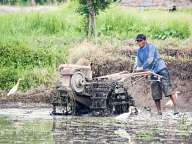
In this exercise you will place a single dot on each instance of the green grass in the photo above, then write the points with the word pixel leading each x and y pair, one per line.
pixel 34 43
pixel 157 24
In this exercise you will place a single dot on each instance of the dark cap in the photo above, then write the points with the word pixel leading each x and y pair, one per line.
pixel 140 37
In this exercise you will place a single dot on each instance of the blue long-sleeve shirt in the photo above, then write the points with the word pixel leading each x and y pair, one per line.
pixel 149 58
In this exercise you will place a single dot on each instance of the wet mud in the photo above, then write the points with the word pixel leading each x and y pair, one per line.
pixel 32 123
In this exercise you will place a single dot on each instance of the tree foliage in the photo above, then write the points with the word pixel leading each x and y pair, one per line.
pixel 97 5
pixel 89 9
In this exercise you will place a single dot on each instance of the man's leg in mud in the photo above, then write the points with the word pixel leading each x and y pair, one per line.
pixel 173 99
pixel 156 91
pixel 167 88
pixel 158 106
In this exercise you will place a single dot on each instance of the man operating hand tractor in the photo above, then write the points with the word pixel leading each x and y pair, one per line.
pixel 148 59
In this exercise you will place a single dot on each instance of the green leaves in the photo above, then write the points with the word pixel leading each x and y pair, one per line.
pixel 19 54
pixel 97 5
pixel 89 9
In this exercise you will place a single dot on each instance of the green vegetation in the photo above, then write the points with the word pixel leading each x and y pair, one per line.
pixel 35 132
pixel 123 23
pixel 32 45
pixel 89 9
pixel 30 2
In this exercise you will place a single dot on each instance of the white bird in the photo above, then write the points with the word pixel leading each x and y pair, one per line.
pixel 124 117
pixel 170 103
pixel 14 89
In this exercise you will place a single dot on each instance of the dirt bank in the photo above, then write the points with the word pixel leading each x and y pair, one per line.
pixel 37 95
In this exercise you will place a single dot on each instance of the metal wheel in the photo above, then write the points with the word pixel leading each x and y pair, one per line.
pixel 78 81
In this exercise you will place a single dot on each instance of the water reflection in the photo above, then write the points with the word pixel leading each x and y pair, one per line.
pixel 30 132
pixel 104 130
pixel 86 130
pixel 35 125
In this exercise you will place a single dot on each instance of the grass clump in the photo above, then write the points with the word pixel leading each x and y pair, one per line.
pixel 19 59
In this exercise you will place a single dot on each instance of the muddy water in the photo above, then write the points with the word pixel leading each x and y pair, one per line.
pixel 33 124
